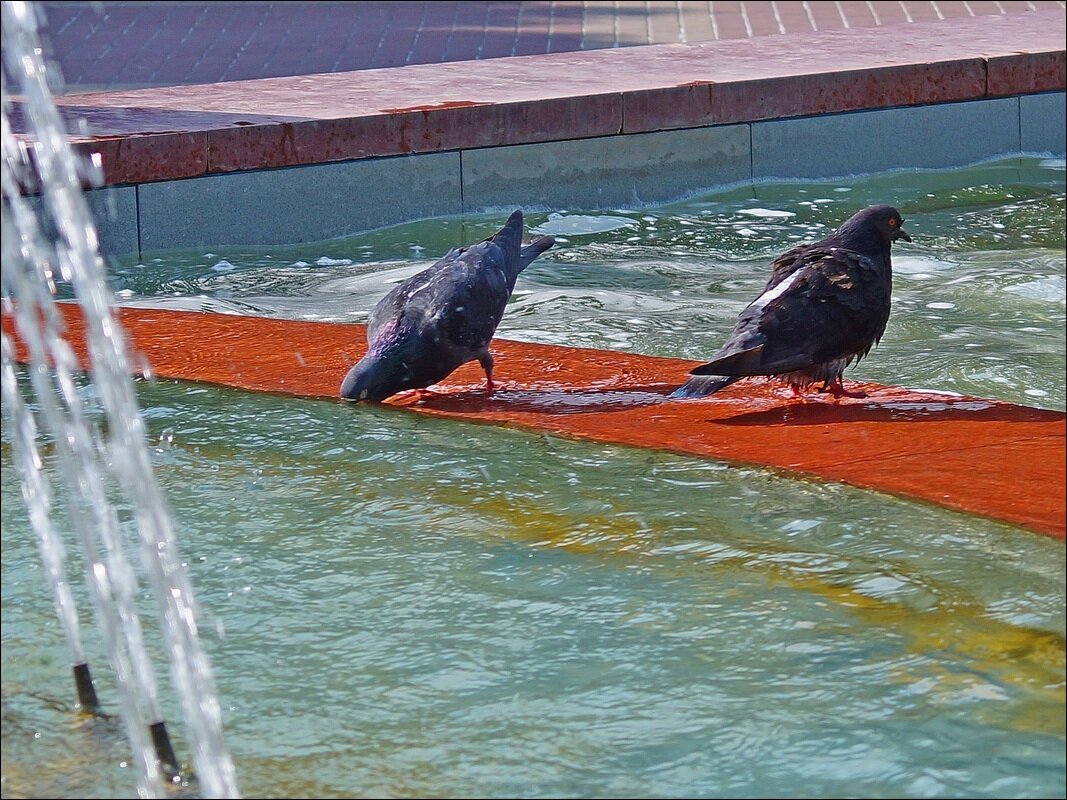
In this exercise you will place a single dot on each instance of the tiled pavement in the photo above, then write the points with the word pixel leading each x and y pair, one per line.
pixel 122 45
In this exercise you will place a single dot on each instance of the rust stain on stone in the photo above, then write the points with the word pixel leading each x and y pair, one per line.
pixel 405 146
pixel 288 141
pixel 435 107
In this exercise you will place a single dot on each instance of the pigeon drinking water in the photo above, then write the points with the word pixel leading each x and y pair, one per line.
pixel 442 317
pixel 825 306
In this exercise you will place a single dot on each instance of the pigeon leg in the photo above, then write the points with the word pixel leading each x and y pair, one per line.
pixel 486 360
pixel 837 389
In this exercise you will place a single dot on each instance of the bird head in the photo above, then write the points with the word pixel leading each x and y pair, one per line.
pixel 872 230
pixel 371 379
pixel 884 221
pixel 396 360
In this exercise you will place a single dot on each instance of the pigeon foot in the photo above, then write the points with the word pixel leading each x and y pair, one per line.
pixel 415 395
pixel 838 390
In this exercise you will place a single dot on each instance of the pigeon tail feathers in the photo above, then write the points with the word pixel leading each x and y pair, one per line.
pixel 509 237
pixel 532 249
pixel 703 385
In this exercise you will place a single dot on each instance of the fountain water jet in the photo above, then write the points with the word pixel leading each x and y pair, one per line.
pixel 56 242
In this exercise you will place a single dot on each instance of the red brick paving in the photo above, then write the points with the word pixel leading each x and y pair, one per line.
pixel 120 45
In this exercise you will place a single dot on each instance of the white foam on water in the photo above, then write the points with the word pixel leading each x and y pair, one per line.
pixel 915 265
pixel 1051 290
pixel 582 224
pixel 767 213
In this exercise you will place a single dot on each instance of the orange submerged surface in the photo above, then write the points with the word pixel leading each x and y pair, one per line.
pixel 985 457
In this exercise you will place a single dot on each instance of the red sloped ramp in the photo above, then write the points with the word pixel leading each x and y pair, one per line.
pixel 985 457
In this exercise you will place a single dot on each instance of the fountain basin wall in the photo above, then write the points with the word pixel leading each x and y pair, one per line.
pixel 307 158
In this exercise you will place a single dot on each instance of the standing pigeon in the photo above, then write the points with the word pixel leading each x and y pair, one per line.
pixel 442 317
pixel 825 306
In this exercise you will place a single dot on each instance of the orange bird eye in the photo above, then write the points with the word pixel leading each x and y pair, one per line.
pixel 892 222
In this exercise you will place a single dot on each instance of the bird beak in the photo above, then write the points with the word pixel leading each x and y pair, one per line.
pixel 902 234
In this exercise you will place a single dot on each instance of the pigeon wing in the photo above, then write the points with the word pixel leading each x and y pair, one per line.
pixel 820 305
pixel 468 309
pixel 836 306
pixel 788 263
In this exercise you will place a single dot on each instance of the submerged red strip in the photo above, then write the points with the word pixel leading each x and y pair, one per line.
pixel 999 460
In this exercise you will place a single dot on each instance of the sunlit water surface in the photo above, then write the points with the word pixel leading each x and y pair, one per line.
pixel 404 606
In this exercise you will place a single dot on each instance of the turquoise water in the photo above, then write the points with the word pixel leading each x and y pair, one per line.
pixel 403 606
